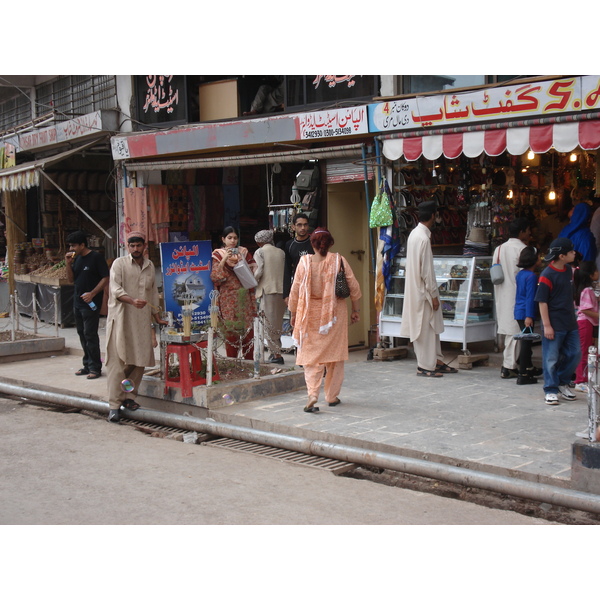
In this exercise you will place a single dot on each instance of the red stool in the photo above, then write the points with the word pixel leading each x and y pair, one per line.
pixel 190 367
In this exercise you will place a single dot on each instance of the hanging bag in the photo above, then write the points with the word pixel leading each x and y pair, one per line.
pixel 496 272
pixel 244 273
pixel 528 335
pixel 341 283
pixel 381 210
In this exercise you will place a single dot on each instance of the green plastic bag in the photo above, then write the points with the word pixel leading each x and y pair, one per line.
pixel 381 210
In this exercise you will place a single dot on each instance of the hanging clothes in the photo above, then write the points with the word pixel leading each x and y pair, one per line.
pixel 135 211
pixel 158 200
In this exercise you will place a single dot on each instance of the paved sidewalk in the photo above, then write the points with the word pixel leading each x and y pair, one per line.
pixel 472 418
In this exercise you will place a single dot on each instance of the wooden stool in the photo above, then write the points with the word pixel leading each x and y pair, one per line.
pixel 190 367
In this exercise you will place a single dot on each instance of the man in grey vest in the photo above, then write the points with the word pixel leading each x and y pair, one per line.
pixel 269 291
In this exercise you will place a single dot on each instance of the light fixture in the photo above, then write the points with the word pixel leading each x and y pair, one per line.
pixel 530 155
pixel 510 194
pixel 552 193
pixel 573 157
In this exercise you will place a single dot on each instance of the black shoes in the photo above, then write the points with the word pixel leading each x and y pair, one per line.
pixel 276 361
pixel 534 371
pixel 526 379
pixel 508 373
pixel 113 416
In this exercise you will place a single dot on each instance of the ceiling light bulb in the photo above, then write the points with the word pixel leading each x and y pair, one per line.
pixel 530 155
pixel 510 194
pixel 552 195
pixel 573 157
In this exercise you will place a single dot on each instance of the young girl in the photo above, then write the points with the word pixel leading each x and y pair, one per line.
pixel 587 316
pixel 526 310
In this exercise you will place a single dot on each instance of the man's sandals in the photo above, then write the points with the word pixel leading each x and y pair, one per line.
pixel 439 371
pixel 131 404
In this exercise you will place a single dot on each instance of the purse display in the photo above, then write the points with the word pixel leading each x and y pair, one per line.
pixel 341 283
pixel 381 210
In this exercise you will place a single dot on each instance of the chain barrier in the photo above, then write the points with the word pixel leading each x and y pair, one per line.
pixel 18 310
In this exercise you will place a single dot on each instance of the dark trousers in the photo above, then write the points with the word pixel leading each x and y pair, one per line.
pixel 526 351
pixel 86 321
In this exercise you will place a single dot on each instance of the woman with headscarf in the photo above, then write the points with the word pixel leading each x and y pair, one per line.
pixel 578 231
pixel 320 318
pixel 237 305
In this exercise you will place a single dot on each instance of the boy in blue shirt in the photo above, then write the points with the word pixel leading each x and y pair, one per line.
pixel 561 350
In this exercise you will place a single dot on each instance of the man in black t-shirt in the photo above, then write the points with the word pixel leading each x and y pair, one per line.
pixel 88 272
pixel 294 249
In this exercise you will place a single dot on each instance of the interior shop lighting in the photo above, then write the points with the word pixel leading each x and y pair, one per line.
pixel 530 155
pixel 573 157
pixel 552 194
pixel 510 194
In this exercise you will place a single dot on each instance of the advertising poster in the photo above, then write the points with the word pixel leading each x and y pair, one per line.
pixel 186 278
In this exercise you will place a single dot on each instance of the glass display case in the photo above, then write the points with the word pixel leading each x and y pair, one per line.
pixel 466 299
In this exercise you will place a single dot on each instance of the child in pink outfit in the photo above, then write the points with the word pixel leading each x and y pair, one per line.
pixel 586 303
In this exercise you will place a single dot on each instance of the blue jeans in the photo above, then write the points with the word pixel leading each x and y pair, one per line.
pixel 560 358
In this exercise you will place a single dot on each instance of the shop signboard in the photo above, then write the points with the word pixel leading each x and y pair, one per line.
pixel 161 99
pixel 542 98
pixel 341 122
pixel 186 278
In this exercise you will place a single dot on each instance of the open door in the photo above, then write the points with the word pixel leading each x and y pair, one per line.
pixel 347 220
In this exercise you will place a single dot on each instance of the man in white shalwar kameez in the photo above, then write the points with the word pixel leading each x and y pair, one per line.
pixel 422 320
pixel 507 255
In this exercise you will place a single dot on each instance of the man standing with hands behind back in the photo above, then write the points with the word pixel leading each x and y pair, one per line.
pixel 422 320
pixel 130 339
pixel 88 272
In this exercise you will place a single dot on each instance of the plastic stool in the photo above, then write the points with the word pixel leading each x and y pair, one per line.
pixel 190 366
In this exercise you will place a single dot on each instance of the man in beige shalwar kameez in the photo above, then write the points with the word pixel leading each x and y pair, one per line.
pixel 422 320
pixel 505 293
pixel 130 341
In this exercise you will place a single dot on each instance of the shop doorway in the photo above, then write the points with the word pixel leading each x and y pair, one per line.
pixel 347 220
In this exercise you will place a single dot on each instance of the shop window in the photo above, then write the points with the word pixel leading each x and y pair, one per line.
pixel 416 84
pixel 303 90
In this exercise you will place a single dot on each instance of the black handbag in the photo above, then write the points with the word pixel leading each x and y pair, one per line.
pixel 341 284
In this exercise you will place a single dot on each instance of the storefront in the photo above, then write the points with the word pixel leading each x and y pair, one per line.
pixel 488 156
pixel 68 185
pixel 195 180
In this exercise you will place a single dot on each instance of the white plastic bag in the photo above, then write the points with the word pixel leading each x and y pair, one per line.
pixel 245 275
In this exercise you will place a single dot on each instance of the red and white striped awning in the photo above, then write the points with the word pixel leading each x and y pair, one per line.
pixel 563 137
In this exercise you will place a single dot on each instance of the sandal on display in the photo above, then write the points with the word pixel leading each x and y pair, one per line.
pixel 131 405
pixel 310 407
pixel 93 376
pixel 83 371
pixel 444 368
pixel 425 373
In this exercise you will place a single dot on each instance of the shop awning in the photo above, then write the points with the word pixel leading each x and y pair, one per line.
pixel 563 137
pixel 300 155
pixel 25 176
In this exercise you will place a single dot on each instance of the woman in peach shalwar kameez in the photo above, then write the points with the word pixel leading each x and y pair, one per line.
pixel 320 319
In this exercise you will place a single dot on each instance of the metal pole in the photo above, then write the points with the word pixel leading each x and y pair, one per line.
pixel 56 314
pixel 16 310
pixel 209 356
pixel 416 466
pixel 593 394
pixel 35 315
pixel 14 317
pixel 257 346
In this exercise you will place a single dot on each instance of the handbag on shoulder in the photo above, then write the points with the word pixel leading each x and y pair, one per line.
pixel 341 283
pixel 496 272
